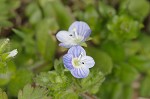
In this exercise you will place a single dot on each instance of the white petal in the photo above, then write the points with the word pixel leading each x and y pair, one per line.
pixel 88 61
pixel 63 36
pixel 67 45
pixel 12 53
pixel 65 39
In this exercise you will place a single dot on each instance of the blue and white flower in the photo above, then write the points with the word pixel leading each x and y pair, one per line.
pixel 77 34
pixel 77 62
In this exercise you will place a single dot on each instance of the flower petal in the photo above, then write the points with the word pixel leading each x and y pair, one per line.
pixel 76 51
pixel 82 29
pixel 67 60
pixel 63 36
pixel 80 72
pixel 88 61
pixel 67 45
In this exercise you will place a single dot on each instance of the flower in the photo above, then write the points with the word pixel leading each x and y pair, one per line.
pixel 77 34
pixel 13 53
pixel 77 62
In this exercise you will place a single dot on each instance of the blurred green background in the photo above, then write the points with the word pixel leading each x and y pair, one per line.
pixel 120 46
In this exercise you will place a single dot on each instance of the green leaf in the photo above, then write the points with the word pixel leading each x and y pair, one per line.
pixel 20 80
pixel 116 51
pixel 2 66
pixel 45 41
pixel 84 44
pixel 20 34
pixel 3 45
pixel 136 10
pixel 117 91
pixel 140 62
pixel 126 73
pixel 3 95
pixel 5 23
pixel 7 73
pixel 92 82
pixel 145 86
pixel 106 10
pixel 123 28
pixel 66 95
pixel 127 92
pixel 131 48
pixel 58 65
pixel 103 61
pixel 33 12
pixel 29 92
pixel 62 14
pixel 53 80
pixel 27 39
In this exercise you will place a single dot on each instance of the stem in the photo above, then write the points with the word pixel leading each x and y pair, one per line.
pixel 37 65
pixel 89 96
pixel 41 9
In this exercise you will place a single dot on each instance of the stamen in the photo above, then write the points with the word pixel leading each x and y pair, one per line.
pixel 80 56
pixel 75 32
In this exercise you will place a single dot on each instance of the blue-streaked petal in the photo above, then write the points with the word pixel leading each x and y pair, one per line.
pixel 76 51
pixel 81 72
pixel 67 60
pixel 82 29
pixel 87 34
pixel 88 61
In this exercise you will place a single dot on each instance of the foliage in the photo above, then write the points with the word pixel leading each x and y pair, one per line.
pixel 119 46
pixel 3 95
pixel 29 92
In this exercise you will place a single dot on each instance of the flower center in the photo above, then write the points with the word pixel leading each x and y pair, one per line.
pixel 75 62
pixel 78 38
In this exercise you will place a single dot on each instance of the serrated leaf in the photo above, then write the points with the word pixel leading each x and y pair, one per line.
pixel 66 95
pixel 29 92
pixel 3 95
pixel 58 65
pixel 3 45
pixel 53 80
pixel 127 28
pixel 92 82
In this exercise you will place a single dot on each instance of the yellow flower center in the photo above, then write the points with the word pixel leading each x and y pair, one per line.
pixel 75 62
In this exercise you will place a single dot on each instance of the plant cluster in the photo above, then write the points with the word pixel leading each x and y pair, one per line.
pixel 33 66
